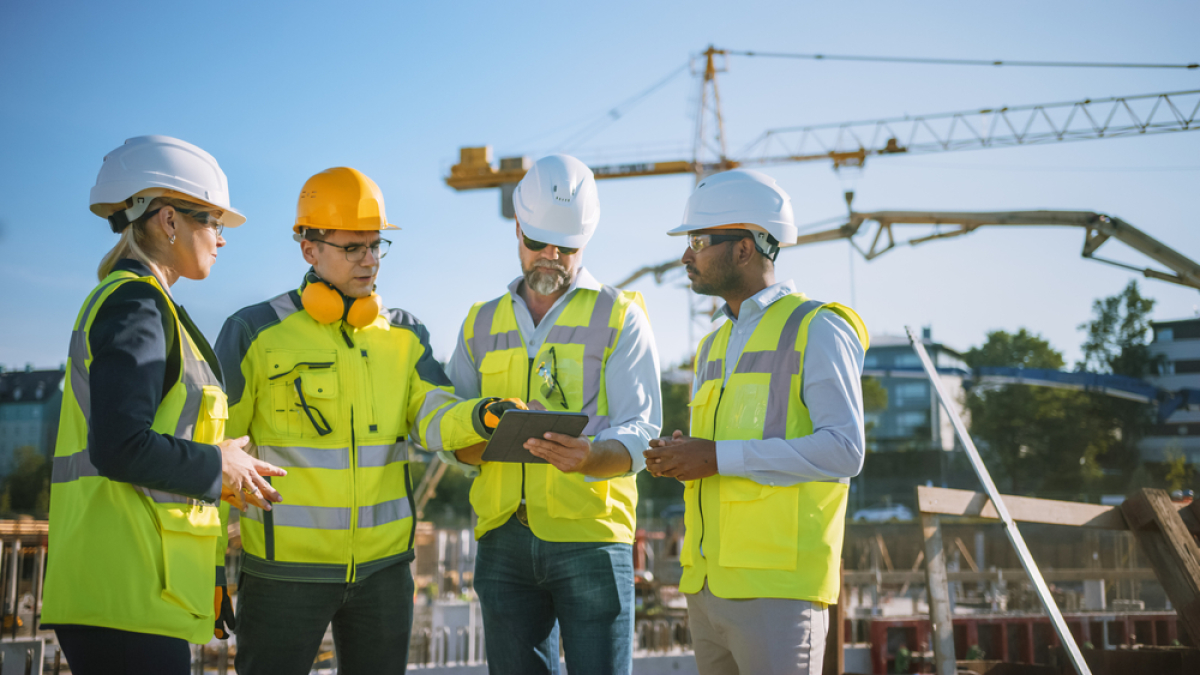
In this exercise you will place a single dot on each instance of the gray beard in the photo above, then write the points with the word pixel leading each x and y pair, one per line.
pixel 547 279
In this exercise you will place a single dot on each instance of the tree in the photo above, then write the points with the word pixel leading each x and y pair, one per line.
pixel 1117 335
pixel 27 488
pixel 1117 343
pixel 1043 440
pixel 661 492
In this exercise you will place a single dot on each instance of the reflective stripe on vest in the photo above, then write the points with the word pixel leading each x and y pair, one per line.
pixel 124 556
pixel 560 507
pixel 747 539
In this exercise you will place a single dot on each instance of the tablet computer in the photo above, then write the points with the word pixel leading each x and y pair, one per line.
pixel 517 426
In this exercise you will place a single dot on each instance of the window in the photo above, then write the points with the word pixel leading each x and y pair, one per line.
pixel 871 361
pixel 907 361
pixel 1164 335
pixel 1189 366
pixel 909 393
pixel 909 421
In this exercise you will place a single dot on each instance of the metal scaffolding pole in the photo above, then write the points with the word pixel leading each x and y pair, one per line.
pixel 1010 526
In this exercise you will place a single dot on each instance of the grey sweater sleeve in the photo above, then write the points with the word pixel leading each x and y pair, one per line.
pixel 131 369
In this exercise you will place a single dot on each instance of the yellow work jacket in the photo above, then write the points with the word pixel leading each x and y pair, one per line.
pixel 747 539
pixel 334 405
pixel 560 506
pixel 122 556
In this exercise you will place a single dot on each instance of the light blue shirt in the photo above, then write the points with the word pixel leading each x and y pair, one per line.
pixel 631 376
pixel 831 390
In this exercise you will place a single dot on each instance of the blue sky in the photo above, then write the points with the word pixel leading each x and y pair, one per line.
pixel 279 91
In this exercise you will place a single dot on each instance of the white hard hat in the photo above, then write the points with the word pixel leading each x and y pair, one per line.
pixel 741 197
pixel 556 202
pixel 146 167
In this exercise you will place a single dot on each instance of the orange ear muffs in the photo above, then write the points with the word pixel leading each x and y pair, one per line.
pixel 326 304
pixel 364 311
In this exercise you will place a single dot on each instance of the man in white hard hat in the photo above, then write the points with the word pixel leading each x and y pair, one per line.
pixel 555 539
pixel 776 435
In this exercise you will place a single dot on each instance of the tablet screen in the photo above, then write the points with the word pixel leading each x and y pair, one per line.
pixel 517 426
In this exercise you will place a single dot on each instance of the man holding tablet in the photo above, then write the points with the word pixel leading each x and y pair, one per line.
pixel 555 538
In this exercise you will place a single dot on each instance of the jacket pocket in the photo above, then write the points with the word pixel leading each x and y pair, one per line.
pixel 214 412
pixel 572 496
pixel 189 545
pixel 760 525
pixel 303 387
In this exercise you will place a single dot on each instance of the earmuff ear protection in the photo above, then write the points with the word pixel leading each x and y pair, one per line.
pixel 327 304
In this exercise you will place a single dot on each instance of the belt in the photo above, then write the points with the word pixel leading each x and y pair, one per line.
pixel 521 515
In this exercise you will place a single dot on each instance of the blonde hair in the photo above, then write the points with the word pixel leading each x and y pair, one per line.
pixel 136 241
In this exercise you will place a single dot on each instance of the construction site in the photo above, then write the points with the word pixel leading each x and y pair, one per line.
pixel 1014 516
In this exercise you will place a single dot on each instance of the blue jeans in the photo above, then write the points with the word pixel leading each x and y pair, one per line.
pixel 280 624
pixel 529 589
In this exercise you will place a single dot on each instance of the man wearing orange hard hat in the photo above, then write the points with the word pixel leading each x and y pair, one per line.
pixel 332 386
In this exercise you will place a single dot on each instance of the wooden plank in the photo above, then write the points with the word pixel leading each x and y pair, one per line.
pixel 938 588
pixel 869 577
pixel 948 502
pixel 1173 554
pixel 835 640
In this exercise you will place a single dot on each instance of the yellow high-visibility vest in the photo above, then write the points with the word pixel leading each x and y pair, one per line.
pixel 335 406
pixel 123 556
pixel 747 539
pixel 560 506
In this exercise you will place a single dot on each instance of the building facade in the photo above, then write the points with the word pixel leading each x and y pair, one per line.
pixel 913 419
pixel 1177 346
pixel 29 404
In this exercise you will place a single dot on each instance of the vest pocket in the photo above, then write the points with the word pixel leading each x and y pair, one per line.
pixel 571 496
pixel 214 411
pixel 690 522
pixel 499 374
pixel 760 525
pixel 189 545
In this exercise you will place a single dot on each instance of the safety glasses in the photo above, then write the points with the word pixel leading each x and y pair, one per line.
pixel 537 246
pixel 550 378
pixel 356 252
pixel 206 218
pixel 699 242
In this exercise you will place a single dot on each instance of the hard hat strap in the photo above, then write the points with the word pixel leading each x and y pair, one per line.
pixel 766 245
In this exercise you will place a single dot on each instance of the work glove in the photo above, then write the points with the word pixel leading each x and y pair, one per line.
pixel 491 412
pixel 226 623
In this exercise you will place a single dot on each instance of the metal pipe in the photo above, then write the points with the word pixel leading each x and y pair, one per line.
pixel 1010 526
pixel 14 573
pixel 39 573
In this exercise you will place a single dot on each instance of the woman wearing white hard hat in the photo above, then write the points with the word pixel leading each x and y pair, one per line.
pixel 141 460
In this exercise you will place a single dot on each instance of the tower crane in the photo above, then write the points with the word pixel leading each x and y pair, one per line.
pixel 849 144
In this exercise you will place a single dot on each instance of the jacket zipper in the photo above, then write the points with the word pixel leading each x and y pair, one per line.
pixel 351 571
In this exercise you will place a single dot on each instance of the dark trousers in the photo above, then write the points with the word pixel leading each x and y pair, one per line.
pixel 280 624
pixel 92 650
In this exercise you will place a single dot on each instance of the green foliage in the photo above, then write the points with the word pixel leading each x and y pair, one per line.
pixel 27 488
pixel 1179 473
pixel 1014 350
pixel 875 396
pixel 1117 334
pixel 1041 439
pixel 663 492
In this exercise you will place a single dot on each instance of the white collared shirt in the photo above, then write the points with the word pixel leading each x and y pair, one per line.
pixel 631 376
pixel 831 390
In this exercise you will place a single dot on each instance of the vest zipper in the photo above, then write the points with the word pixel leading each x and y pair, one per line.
pixel 528 386
pixel 700 488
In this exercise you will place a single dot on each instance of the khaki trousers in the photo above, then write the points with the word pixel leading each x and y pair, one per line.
pixel 761 636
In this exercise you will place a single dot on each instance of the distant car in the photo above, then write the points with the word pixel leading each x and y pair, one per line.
pixel 882 513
